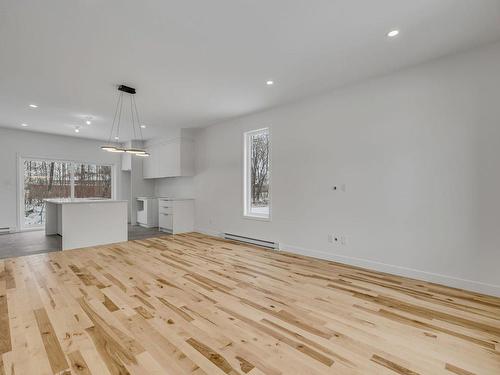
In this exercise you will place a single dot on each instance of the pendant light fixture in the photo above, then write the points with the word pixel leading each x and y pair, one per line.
pixel 115 127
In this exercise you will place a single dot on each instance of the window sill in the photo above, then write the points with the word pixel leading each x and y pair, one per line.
pixel 255 217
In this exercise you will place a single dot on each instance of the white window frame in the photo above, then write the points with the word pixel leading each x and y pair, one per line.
pixel 247 204
pixel 20 184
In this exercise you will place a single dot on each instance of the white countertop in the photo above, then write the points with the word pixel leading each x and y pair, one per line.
pixel 81 200
pixel 166 198
pixel 175 199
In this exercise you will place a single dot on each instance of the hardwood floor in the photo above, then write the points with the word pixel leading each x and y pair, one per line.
pixel 192 304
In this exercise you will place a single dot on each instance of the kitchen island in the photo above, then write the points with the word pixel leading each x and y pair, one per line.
pixel 84 222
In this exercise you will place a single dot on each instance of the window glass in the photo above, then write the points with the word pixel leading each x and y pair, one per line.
pixel 257 173
pixel 92 181
pixel 42 180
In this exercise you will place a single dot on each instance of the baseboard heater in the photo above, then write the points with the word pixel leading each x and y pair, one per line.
pixel 253 241
pixel 5 230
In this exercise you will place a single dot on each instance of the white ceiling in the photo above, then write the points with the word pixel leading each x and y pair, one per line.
pixel 195 63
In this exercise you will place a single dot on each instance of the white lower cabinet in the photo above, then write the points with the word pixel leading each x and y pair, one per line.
pixel 166 221
pixel 176 215
pixel 147 212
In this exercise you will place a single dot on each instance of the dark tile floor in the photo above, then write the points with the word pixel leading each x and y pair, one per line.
pixel 136 232
pixel 35 242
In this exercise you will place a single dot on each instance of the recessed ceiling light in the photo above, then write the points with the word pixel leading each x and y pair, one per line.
pixel 143 126
pixel 77 130
pixel 117 138
pixel 393 33
pixel 269 83
pixel 33 106
pixel 88 122
pixel 24 125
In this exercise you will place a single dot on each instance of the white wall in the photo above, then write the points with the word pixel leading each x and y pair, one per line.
pixel 175 187
pixel 15 143
pixel 419 152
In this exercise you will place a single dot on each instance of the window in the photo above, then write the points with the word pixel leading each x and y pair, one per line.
pixel 45 179
pixel 257 172
pixel 92 181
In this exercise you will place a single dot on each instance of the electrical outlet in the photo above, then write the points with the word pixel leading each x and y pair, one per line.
pixel 341 187
pixel 337 239
pixel 333 238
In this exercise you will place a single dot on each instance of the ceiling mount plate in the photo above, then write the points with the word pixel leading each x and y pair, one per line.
pixel 129 90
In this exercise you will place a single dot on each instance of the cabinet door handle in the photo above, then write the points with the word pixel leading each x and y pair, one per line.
pixel 165 214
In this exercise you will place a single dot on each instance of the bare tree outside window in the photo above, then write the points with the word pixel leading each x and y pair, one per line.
pixel 42 180
pixel 45 179
pixel 92 181
pixel 257 173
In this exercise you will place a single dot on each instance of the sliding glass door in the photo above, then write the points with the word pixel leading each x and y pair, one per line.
pixel 43 179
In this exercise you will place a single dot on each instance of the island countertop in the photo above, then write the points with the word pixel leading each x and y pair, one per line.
pixel 81 200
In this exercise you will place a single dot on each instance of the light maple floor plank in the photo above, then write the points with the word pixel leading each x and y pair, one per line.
pixel 193 304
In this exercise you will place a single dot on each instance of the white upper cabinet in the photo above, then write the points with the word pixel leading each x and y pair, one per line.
pixel 148 167
pixel 126 162
pixel 171 158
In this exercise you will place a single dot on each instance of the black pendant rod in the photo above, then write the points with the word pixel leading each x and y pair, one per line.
pixel 127 89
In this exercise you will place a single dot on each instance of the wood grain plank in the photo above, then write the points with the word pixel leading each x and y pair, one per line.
pixel 212 356
pixel 5 341
pixel 51 343
pixel 392 366
pixel 459 371
pixel 78 364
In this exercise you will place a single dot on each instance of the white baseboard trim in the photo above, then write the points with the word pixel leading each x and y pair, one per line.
pixel 208 232
pixel 18 230
pixel 146 226
pixel 455 282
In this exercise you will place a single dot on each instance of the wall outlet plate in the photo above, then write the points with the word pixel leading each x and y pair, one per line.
pixel 341 188
pixel 333 238
pixel 337 239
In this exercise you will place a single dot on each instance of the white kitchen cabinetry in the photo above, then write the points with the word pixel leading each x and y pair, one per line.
pixel 176 215
pixel 171 158
pixel 86 222
pixel 147 212
pixel 126 157
pixel 126 162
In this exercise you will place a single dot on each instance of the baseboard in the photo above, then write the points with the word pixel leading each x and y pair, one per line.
pixel 147 226
pixel 455 282
pixel 18 230
pixel 208 232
